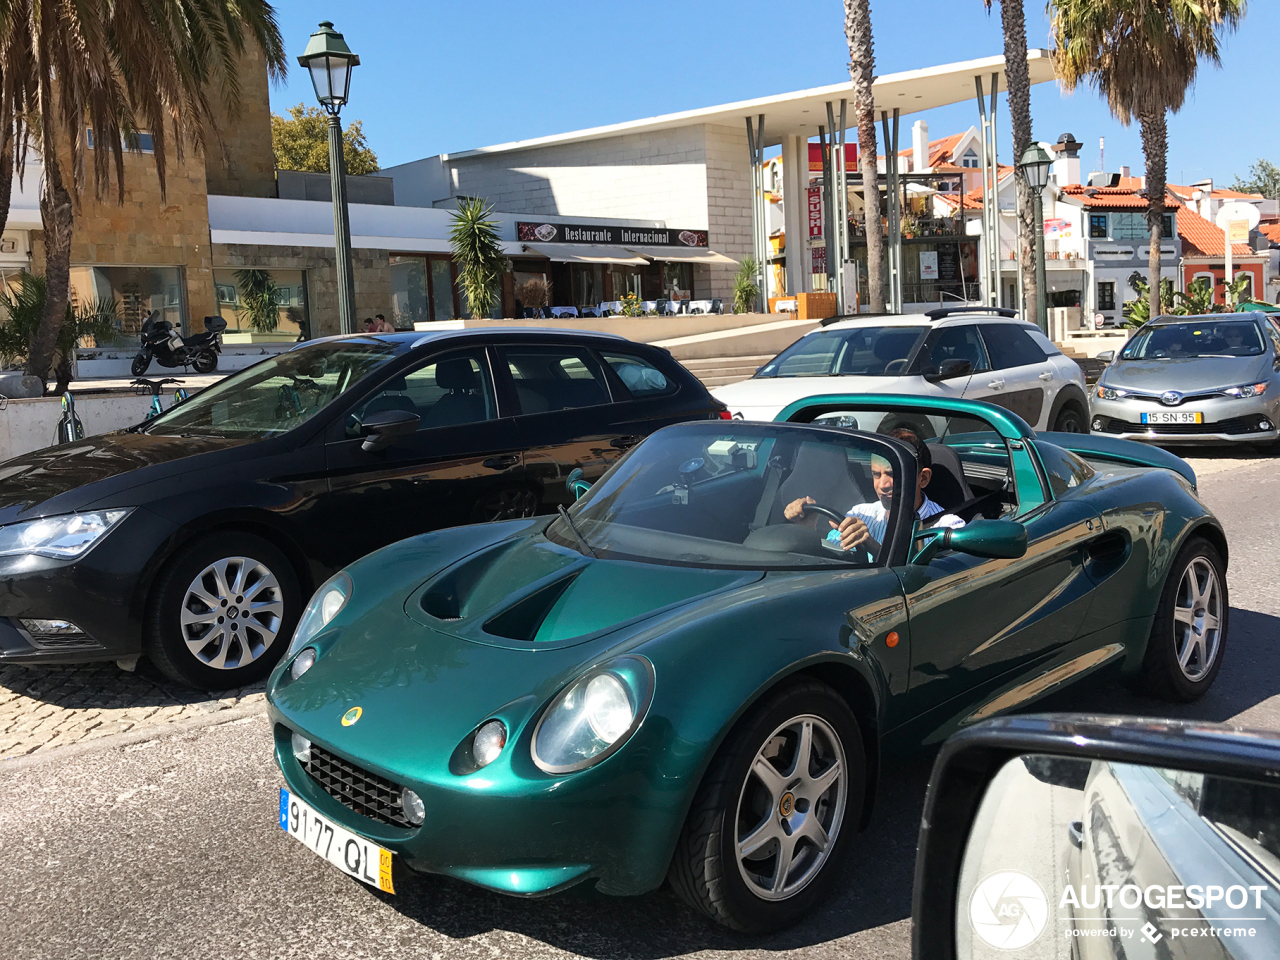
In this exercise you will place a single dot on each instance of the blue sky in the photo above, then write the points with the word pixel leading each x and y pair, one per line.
pixel 441 76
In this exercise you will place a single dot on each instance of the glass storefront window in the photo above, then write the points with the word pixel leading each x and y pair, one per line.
pixel 677 277
pixel 625 280
pixel 138 292
pixel 442 289
pixel 421 290
pixel 587 281
pixel 262 301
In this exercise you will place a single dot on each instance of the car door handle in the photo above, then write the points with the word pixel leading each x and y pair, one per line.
pixel 624 443
pixel 1046 376
pixel 501 463
pixel 996 385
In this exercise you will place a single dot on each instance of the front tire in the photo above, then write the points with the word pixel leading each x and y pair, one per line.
pixel 774 817
pixel 1189 635
pixel 222 611
pixel 1071 420
pixel 205 362
pixel 140 364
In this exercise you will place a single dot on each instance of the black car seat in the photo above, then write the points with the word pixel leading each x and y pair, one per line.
pixel 948 488
pixel 820 471
pixel 392 397
pixel 463 403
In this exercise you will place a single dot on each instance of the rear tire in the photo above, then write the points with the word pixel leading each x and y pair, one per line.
pixel 222 611
pixel 140 364
pixel 1071 420
pixel 1189 635
pixel 774 818
pixel 205 362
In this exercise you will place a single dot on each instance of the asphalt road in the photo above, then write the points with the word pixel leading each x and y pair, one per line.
pixel 168 846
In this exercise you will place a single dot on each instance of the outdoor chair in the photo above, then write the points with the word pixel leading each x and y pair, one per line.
pixel 662 308
pixel 717 305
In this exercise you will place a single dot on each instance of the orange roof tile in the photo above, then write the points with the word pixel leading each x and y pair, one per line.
pixel 1271 231
pixel 1200 238
pixel 939 150
pixel 1186 192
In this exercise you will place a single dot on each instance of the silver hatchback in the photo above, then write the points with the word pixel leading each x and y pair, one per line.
pixel 1201 379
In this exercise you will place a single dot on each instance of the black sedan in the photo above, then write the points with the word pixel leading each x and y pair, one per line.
pixel 196 537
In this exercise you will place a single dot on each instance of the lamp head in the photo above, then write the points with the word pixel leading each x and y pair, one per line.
pixel 329 60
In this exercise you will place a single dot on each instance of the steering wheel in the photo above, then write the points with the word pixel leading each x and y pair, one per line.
pixel 825 511
pixel 838 518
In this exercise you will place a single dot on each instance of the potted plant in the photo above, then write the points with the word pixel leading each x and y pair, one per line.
pixel 910 226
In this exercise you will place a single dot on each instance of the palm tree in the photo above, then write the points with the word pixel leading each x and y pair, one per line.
pixel 1018 82
pixel 478 253
pixel 111 70
pixel 862 68
pixel 1142 56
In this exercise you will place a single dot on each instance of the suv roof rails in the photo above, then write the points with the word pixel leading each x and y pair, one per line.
pixel 943 312
pixel 827 321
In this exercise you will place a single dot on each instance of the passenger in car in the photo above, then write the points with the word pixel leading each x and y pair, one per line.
pixel 866 523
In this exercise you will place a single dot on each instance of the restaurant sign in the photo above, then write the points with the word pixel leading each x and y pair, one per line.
pixel 595 233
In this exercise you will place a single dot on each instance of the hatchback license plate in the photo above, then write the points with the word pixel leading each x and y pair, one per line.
pixel 353 855
pixel 1173 416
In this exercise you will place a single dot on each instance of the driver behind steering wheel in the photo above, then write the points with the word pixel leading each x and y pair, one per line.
pixel 865 524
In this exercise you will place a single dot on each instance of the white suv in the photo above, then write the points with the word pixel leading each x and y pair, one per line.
pixel 978 353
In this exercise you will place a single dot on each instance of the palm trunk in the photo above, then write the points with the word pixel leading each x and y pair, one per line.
pixel 862 65
pixel 57 217
pixel 1155 146
pixel 1018 80
pixel 6 169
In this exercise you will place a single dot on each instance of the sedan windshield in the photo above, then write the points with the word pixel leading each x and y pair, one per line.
pixel 276 395
pixel 856 352
pixel 1200 338
pixel 716 495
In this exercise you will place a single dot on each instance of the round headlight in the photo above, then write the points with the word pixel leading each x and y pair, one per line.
pixel 415 810
pixel 301 748
pixel 302 663
pixel 593 716
pixel 488 742
pixel 321 609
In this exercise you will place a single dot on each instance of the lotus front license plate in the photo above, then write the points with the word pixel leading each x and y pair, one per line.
pixel 352 854
pixel 1173 416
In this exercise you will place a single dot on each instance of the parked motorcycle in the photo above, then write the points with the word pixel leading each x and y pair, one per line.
pixel 170 349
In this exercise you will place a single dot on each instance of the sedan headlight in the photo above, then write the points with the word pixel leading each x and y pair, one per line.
pixel 1248 390
pixel 323 607
pixel 60 538
pixel 593 716
pixel 1111 393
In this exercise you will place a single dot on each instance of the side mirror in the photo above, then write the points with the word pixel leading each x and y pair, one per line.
pixel 1060 834
pixel 993 539
pixel 381 429
pixel 950 369
pixel 1106 356
pixel 575 484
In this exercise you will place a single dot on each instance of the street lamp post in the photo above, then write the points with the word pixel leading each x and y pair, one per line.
pixel 329 60
pixel 1034 166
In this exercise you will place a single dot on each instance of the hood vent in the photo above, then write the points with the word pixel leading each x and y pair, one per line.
pixel 523 619
pixel 447 597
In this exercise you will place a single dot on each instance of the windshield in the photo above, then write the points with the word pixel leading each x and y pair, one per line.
pixel 275 395
pixel 717 495
pixel 1201 338
pixel 856 352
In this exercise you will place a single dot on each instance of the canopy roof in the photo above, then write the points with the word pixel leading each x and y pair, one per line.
pixel 803 111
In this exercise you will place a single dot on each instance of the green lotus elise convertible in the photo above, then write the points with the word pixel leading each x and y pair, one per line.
pixel 694 672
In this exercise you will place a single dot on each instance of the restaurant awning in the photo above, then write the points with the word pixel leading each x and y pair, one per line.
pixel 585 253
pixel 684 255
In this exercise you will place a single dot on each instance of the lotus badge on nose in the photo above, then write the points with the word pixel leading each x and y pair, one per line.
pixel 351 716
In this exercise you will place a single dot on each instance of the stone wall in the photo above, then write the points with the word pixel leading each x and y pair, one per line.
pixel 238 154
pixel 372 277
pixel 728 204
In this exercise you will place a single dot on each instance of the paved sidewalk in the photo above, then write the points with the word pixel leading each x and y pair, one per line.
pixel 45 707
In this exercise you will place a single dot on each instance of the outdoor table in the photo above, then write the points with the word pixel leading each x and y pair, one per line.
pixel 787 306
pixel 699 306
pixel 564 311
pixel 612 306
pixel 649 306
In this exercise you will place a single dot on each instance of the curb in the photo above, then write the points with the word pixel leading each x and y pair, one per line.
pixel 115 740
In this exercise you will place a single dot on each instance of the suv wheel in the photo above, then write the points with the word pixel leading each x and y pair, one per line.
pixel 222 611
pixel 1071 420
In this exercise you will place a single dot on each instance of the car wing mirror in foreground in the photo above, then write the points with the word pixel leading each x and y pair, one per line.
pixel 575 483
pixel 993 539
pixel 1059 835
pixel 1106 356
pixel 950 369
pixel 382 428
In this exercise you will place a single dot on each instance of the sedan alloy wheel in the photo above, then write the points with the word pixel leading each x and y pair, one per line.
pixel 232 612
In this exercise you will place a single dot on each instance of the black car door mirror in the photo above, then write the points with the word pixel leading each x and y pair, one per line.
pixel 1100 837
pixel 991 539
pixel 950 369
pixel 575 483
pixel 382 428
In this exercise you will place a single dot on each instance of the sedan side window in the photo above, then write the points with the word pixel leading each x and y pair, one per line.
pixel 1010 346
pixel 556 378
pixel 960 342
pixel 448 391
pixel 639 376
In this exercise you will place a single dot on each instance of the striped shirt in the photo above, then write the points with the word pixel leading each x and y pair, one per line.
pixel 876 517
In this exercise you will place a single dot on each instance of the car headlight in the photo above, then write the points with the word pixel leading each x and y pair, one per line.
pixel 1248 390
pixel 1111 393
pixel 322 608
pixel 60 538
pixel 594 716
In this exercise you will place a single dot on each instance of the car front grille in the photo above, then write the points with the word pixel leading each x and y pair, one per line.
pixel 1231 426
pixel 354 787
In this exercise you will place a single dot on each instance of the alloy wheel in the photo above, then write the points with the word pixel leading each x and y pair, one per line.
pixel 791 808
pixel 1197 619
pixel 232 612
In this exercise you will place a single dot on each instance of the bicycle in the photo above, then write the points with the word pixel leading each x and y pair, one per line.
pixel 156 386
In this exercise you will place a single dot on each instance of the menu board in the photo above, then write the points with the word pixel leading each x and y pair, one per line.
pixel 948 263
